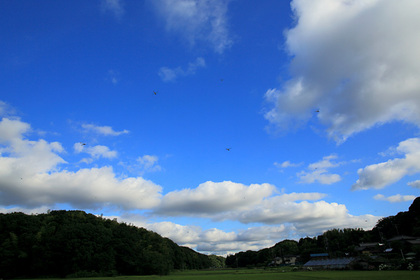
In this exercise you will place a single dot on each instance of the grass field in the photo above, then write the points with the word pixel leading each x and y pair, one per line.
pixel 256 274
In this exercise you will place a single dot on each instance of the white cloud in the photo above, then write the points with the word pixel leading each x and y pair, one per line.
pixel 86 189
pixel 414 184
pixel 320 176
pixel 197 20
pixel 294 210
pixel 255 204
pixel 113 77
pixel 282 217
pixel 6 109
pixel 378 176
pixel 215 235
pixel 357 62
pixel 318 171
pixel 149 163
pixel 98 151
pixel 28 211
pixel 170 75
pixel 264 233
pixel 33 179
pixel 395 198
pixel 286 164
pixel 300 196
pixel 12 130
pixel 103 130
pixel 308 218
pixel 113 6
pixel 32 175
pixel 214 240
pixel 210 198
pixel 20 157
pixel 178 233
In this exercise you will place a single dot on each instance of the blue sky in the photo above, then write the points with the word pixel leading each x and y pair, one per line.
pixel 223 125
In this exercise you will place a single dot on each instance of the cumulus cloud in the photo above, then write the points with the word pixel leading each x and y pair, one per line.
pixel 35 177
pixel 32 176
pixel 6 109
pixel 170 75
pixel 378 176
pixel 20 157
pixel 103 130
pixel 286 164
pixel 356 62
pixel 214 240
pixel 181 234
pixel 311 218
pixel 149 163
pixel 256 204
pixel 414 184
pixel 282 217
pixel 214 197
pixel 98 151
pixel 113 6
pixel 395 198
pixel 12 130
pixel 86 188
pixel 197 20
pixel 318 172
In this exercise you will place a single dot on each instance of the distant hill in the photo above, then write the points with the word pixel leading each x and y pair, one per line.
pixel 74 243
pixel 336 242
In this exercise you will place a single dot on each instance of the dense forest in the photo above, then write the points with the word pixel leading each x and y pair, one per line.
pixel 74 243
pixel 336 242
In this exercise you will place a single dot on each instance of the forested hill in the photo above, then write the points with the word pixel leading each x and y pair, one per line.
pixel 336 242
pixel 74 243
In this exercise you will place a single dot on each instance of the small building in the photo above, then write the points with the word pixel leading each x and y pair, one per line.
pixel 402 238
pixel 286 260
pixel 371 248
pixel 319 256
pixel 336 263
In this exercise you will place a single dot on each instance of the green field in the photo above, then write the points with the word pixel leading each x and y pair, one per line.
pixel 256 274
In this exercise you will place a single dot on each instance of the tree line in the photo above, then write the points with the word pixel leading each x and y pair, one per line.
pixel 74 243
pixel 336 242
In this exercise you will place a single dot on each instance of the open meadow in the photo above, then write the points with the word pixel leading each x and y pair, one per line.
pixel 256 274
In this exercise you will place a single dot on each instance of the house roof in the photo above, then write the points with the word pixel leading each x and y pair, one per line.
pixel 319 255
pixel 402 237
pixel 330 262
pixel 370 244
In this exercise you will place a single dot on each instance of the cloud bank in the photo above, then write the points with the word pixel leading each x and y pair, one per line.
pixel 32 174
pixel 210 198
pixel 35 177
pixel 356 62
